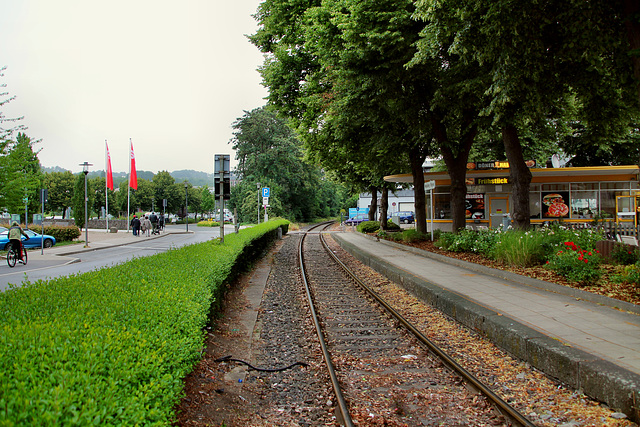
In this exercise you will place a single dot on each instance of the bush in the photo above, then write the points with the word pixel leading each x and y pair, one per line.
pixel 62 233
pixel 625 254
pixel 392 226
pixel 412 235
pixel 630 274
pixel 468 241
pixel 368 227
pixel 576 264
pixel 112 346
pixel 520 248
pixel 446 241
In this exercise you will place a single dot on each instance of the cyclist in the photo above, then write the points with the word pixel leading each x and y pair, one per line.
pixel 15 233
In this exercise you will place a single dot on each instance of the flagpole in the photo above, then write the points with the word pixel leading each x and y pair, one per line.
pixel 106 184
pixel 129 187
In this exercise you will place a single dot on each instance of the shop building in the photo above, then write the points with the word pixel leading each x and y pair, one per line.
pixel 572 194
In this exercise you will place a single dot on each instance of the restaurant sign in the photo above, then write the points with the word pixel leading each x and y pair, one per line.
pixel 496 164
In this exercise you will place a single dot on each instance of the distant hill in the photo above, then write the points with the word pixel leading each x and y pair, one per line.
pixel 196 178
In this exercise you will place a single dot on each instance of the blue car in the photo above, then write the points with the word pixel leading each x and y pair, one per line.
pixel 404 217
pixel 35 240
pixel 357 219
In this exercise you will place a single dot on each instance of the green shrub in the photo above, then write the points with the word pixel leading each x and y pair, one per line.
pixel 412 235
pixel 576 264
pixel 467 241
pixel 445 240
pixel 625 254
pixel 519 248
pixel 62 233
pixel 113 346
pixel 630 274
pixel 368 227
pixel 392 226
pixel 208 223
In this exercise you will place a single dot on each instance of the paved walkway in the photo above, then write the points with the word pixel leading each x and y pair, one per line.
pixel 593 346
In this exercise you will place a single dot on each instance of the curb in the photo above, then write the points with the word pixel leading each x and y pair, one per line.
pixel 598 378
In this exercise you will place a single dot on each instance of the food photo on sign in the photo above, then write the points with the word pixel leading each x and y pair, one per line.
pixel 474 206
pixel 555 204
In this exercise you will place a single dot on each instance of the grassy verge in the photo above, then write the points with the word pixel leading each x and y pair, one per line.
pixel 112 346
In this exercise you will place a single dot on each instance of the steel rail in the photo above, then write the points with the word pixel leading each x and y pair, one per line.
pixel 468 376
pixel 342 403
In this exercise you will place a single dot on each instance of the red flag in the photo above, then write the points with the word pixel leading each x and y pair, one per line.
pixel 109 171
pixel 133 177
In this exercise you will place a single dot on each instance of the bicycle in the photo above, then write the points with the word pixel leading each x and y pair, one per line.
pixel 13 257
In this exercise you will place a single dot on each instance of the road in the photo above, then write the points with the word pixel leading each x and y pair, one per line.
pixel 103 252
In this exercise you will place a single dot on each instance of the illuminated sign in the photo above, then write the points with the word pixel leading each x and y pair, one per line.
pixel 494 181
pixel 496 164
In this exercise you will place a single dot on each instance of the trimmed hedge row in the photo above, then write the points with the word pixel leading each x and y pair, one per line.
pixel 61 233
pixel 112 346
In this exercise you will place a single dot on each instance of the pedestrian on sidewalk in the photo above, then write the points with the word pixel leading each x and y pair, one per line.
pixel 135 225
pixel 146 226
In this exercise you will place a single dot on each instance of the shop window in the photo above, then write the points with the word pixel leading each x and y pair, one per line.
pixel 584 204
pixel 555 187
pixel 535 209
pixel 614 185
pixel 578 186
pixel 442 206
pixel 608 201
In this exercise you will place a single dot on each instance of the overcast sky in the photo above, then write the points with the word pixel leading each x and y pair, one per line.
pixel 171 75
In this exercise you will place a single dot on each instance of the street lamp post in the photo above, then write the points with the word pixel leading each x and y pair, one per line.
pixel 85 169
pixel 259 195
pixel 186 204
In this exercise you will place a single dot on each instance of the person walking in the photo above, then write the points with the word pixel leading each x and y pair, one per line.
pixel 15 233
pixel 146 226
pixel 154 222
pixel 135 225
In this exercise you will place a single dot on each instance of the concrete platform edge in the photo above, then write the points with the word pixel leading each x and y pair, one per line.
pixel 600 379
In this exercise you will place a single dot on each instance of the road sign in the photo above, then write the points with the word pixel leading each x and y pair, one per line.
pixel 429 185
pixel 265 201
pixel 266 192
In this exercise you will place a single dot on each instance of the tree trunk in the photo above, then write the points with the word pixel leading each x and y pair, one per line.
pixel 373 208
pixel 417 159
pixel 519 178
pixel 384 207
pixel 457 168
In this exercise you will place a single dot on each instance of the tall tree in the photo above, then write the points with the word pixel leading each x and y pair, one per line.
pixel 20 174
pixel 269 151
pixel 165 188
pixel 60 190
pixel 538 58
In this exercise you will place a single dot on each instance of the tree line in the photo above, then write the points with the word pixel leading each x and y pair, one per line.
pixel 374 87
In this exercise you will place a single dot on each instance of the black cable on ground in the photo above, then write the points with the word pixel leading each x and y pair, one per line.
pixel 229 359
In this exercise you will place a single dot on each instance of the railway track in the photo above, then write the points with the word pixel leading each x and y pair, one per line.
pixel 384 371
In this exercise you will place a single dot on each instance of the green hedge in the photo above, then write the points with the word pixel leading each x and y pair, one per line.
pixel 112 346
pixel 61 233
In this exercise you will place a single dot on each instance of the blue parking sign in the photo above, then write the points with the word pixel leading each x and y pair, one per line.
pixel 266 191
